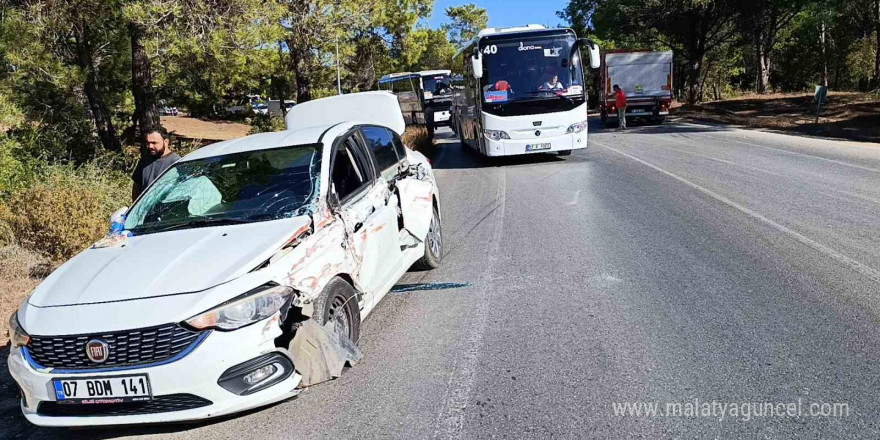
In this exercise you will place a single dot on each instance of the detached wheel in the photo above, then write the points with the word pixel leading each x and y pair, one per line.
pixel 338 304
pixel 433 245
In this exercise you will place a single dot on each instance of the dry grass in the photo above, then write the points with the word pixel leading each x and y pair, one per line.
pixel 192 128
pixel 847 115
pixel 416 137
pixel 64 214
pixel 20 272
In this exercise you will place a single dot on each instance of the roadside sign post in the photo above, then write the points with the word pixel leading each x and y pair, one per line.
pixel 821 93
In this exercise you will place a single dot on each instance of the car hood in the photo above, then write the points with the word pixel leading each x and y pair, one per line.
pixel 167 263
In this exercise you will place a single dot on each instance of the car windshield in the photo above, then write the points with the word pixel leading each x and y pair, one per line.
pixel 530 68
pixel 436 85
pixel 242 187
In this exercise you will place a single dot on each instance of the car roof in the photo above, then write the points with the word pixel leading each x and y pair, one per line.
pixel 262 141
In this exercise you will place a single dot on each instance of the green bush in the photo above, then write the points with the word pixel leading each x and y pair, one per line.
pixel 65 211
pixel 265 123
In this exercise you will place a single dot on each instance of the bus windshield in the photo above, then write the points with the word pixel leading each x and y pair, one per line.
pixel 437 85
pixel 530 68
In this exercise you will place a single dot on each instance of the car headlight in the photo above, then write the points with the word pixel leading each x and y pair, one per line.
pixel 577 127
pixel 256 305
pixel 496 135
pixel 17 334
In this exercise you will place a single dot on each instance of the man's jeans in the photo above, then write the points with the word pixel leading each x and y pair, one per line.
pixel 621 116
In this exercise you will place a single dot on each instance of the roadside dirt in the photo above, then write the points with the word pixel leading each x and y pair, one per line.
pixel 854 116
pixel 20 272
pixel 197 129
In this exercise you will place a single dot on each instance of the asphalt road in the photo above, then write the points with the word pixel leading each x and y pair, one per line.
pixel 680 264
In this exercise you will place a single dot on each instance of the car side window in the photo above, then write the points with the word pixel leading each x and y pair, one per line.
pixel 399 148
pixel 381 143
pixel 348 174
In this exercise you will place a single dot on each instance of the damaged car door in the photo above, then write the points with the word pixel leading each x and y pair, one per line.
pixel 416 190
pixel 410 182
pixel 370 222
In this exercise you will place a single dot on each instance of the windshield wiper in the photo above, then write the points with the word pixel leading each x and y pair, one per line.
pixel 545 92
pixel 200 223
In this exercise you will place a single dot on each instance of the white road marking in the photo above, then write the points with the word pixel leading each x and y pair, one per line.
pixel 775 133
pixel 783 150
pixel 834 192
pixel 450 421
pixel 575 200
pixel 862 268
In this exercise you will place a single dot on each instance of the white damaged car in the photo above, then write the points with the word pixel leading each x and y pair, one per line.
pixel 240 275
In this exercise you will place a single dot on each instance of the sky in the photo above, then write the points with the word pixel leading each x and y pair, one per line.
pixel 505 13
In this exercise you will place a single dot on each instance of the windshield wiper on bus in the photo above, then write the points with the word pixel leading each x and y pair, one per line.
pixel 544 92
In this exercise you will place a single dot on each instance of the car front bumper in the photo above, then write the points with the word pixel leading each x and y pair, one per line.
pixel 193 376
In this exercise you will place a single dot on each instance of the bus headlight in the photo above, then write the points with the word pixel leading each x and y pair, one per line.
pixel 496 135
pixel 576 128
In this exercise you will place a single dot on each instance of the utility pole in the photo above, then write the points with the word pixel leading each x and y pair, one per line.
pixel 338 77
pixel 823 79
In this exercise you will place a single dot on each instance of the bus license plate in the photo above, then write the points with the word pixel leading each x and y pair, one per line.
pixel 536 147
pixel 98 390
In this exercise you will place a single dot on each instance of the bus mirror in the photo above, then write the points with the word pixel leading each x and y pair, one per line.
pixel 592 47
pixel 594 55
pixel 477 63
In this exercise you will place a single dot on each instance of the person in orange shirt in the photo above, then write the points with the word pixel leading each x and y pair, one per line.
pixel 620 102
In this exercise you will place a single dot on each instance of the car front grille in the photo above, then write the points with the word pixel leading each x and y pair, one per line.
pixel 159 404
pixel 126 348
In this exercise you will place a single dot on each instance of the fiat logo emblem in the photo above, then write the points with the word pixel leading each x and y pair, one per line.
pixel 537 132
pixel 97 350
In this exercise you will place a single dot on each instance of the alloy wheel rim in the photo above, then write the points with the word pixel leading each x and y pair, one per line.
pixel 341 322
pixel 434 237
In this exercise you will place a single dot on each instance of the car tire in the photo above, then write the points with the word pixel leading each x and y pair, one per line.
pixel 433 245
pixel 338 302
pixel 563 153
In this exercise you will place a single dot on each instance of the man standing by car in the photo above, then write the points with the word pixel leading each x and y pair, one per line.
pixel 620 101
pixel 157 158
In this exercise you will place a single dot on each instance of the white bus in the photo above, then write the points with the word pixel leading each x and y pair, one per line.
pixel 521 90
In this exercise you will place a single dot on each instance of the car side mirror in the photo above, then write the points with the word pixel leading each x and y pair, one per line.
pixel 417 170
pixel 477 64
